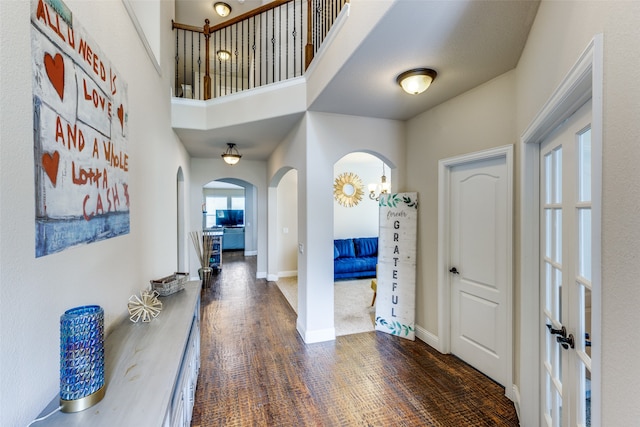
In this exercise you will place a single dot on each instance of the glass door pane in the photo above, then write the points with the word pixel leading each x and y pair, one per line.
pixel 568 232
pixel 552 276
pixel 583 277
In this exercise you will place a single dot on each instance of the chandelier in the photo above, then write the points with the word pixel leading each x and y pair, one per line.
pixel 378 189
pixel 231 156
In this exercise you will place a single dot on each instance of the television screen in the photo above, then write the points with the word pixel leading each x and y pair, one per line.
pixel 229 217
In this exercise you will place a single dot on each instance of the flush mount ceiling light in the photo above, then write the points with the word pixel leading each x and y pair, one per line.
pixel 231 156
pixel 222 8
pixel 417 80
pixel 223 55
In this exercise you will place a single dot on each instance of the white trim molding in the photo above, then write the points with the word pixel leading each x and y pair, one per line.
pixel 319 335
pixel 427 337
pixel 584 82
pixel 143 37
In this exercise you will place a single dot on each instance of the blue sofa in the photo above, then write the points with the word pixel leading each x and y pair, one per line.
pixel 355 258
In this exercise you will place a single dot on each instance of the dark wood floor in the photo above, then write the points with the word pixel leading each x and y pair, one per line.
pixel 257 371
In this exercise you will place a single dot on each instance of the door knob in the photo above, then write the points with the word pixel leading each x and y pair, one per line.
pixel 566 342
pixel 562 331
pixel 454 270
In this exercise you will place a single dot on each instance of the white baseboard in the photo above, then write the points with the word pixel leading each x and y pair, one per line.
pixel 428 338
pixel 291 273
pixel 515 398
pixel 320 335
pixel 250 253
pixel 272 277
pixel 261 275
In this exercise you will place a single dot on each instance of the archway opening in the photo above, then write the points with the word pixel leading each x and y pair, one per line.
pixel 359 178
pixel 229 206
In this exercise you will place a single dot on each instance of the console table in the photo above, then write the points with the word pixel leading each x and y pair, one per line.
pixel 151 369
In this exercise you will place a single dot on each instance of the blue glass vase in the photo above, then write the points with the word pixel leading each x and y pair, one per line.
pixel 81 358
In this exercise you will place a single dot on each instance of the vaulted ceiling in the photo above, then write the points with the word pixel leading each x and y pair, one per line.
pixel 468 42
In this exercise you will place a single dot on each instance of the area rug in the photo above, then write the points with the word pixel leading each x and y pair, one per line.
pixel 353 313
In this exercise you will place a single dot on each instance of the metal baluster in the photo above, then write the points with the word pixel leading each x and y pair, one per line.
pixel 254 51
pixel 226 41
pixel 293 34
pixel 280 43
pixel 199 68
pixel 240 56
pixel 192 79
pixel 235 56
pixel 273 45
pixel 184 64
pixel 177 60
pixel 287 41
pixel 216 68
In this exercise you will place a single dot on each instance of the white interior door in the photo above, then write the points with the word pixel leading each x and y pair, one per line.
pixel 566 272
pixel 480 264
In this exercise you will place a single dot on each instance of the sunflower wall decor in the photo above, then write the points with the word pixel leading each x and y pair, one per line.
pixel 347 189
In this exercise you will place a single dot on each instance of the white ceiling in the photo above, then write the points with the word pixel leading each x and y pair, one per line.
pixel 468 42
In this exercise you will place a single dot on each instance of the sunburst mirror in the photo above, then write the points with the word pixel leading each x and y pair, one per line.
pixel 347 189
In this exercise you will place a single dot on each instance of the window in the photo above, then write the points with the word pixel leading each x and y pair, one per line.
pixel 237 203
pixel 212 204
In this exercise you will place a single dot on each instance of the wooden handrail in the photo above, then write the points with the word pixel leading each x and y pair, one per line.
pixel 250 14
pixel 175 25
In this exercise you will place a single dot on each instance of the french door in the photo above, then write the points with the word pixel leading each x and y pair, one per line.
pixel 566 272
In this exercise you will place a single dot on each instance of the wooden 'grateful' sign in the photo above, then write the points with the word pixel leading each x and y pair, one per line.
pixel 395 309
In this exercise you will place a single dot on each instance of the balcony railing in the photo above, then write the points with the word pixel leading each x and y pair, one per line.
pixel 272 43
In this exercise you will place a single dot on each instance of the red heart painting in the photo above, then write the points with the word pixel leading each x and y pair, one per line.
pixel 55 71
pixel 121 115
pixel 50 165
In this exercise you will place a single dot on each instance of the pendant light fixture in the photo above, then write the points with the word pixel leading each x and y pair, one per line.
pixel 231 156
pixel 378 189
pixel 417 80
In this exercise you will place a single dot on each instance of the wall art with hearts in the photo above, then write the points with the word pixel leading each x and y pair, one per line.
pixel 80 114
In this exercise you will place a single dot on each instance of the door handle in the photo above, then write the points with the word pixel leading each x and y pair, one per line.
pixel 454 270
pixel 566 342
pixel 562 331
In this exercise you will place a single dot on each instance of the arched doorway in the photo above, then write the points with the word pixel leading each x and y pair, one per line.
pixel 230 204
pixel 355 221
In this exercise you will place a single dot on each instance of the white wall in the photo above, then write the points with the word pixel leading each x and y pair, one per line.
pixel 35 292
pixel 479 119
pixel 360 220
pixel 560 33
pixel 146 18
pixel 287 228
